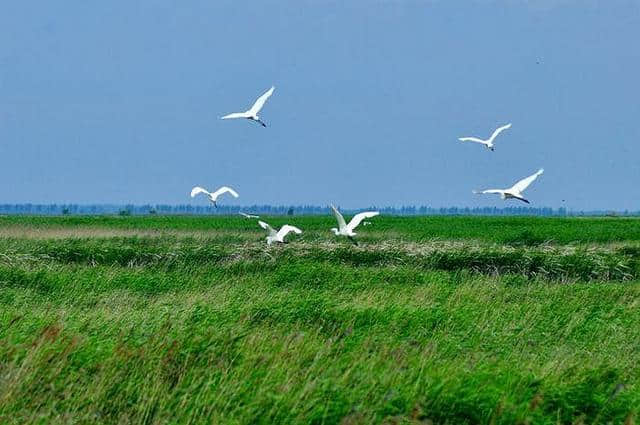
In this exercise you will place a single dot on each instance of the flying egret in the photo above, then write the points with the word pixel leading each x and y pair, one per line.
pixel 516 190
pixel 347 230
pixel 489 142
pixel 248 215
pixel 213 197
pixel 252 114
pixel 278 236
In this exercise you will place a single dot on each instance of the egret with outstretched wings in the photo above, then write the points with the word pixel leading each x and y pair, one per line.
pixel 347 230
pixel 252 114
pixel 516 190
pixel 489 142
pixel 274 235
pixel 213 197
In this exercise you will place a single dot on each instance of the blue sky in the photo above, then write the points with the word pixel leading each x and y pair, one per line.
pixel 119 101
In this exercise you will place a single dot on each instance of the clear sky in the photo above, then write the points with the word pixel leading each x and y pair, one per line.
pixel 119 101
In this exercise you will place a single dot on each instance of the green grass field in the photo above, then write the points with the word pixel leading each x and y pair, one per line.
pixel 431 320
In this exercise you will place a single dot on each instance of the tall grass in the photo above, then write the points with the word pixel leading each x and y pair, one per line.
pixel 219 329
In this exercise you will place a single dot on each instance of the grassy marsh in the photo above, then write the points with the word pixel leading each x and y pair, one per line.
pixel 430 320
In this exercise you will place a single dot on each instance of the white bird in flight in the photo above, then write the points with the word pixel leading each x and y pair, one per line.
pixel 252 114
pixel 245 215
pixel 489 142
pixel 278 236
pixel 516 190
pixel 213 197
pixel 347 230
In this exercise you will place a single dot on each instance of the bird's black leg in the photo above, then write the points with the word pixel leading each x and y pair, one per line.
pixel 355 242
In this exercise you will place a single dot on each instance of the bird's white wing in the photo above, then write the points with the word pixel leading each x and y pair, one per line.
pixel 286 229
pixel 480 192
pixel 524 183
pixel 472 139
pixel 498 131
pixel 235 115
pixel 196 190
pixel 225 189
pixel 341 223
pixel 357 219
pixel 268 228
pixel 244 215
pixel 260 102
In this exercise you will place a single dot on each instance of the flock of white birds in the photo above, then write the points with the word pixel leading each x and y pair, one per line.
pixel 344 229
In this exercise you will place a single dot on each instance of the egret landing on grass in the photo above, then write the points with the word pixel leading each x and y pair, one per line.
pixel 278 236
pixel 347 230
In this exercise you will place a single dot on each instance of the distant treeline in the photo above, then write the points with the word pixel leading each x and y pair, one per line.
pixel 107 209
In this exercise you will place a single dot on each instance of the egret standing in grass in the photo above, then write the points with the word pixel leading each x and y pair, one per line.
pixel 516 190
pixel 278 236
pixel 347 230
pixel 252 114
pixel 213 197
pixel 489 142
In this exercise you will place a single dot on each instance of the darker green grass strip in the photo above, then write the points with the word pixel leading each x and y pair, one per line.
pixel 175 253
pixel 516 231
